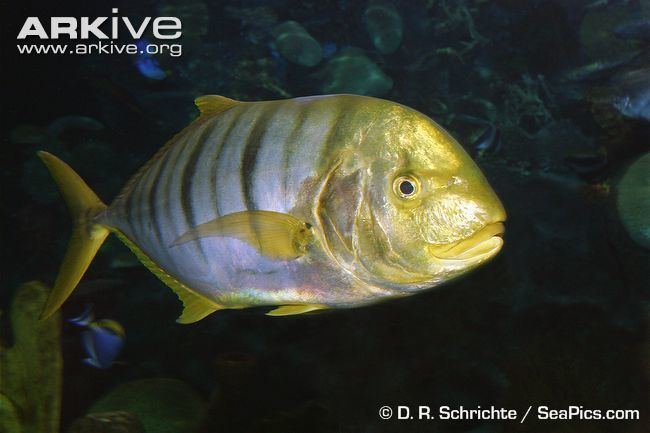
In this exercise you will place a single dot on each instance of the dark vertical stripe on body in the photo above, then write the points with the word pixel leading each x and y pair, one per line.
pixel 187 176
pixel 140 184
pixel 159 182
pixel 170 183
pixel 188 181
pixel 138 205
pixel 327 142
pixel 290 143
pixel 151 195
pixel 214 162
pixel 134 204
pixel 131 218
pixel 251 149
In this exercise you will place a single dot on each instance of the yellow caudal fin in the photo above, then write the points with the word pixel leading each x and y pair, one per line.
pixel 87 236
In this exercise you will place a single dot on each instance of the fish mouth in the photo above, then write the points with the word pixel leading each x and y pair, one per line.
pixel 483 244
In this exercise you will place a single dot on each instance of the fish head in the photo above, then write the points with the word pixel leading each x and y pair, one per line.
pixel 427 213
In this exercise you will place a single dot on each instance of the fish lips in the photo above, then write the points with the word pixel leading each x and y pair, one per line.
pixel 481 246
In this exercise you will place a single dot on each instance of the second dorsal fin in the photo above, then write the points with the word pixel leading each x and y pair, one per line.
pixel 214 104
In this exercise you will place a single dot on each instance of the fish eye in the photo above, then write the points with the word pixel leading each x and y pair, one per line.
pixel 406 187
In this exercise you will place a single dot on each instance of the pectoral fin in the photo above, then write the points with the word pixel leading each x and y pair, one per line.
pixel 275 235
pixel 291 310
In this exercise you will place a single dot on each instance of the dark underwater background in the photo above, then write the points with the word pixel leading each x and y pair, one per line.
pixel 561 317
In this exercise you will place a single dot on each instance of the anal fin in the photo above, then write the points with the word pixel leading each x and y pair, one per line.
pixel 290 310
pixel 195 307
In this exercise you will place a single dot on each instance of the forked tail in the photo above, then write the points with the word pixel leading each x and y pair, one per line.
pixel 87 236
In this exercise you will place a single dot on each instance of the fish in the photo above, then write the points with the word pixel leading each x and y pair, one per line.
pixel 632 94
pixel 384 25
pixel 147 65
pixel 351 71
pixel 304 204
pixel 490 139
pixel 599 69
pixel 102 340
pixel 603 4
pixel 73 122
pixel 592 167
pixel 636 29
pixel 85 318
pixel 329 49
pixel 296 44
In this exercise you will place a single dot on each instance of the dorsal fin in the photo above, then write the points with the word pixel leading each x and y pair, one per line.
pixel 214 104
pixel 208 104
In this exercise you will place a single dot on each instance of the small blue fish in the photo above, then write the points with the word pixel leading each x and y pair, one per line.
pixel 273 50
pixel 632 94
pixel 102 339
pixel 329 49
pixel 489 141
pixel 147 65
pixel 590 167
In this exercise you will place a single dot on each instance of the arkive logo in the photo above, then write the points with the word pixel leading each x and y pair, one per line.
pixel 101 27
pixel 116 34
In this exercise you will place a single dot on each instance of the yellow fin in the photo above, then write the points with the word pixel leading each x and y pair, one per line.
pixel 275 235
pixel 290 310
pixel 213 104
pixel 195 306
pixel 207 105
pixel 87 236
pixel 109 324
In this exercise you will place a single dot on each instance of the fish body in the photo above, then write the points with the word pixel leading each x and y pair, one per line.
pixel 147 65
pixel 350 70
pixel 296 44
pixel 632 94
pixel 384 25
pixel 102 340
pixel 592 167
pixel 602 4
pixel 635 29
pixel 489 141
pixel 63 124
pixel 599 69
pixel 320 202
